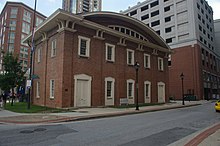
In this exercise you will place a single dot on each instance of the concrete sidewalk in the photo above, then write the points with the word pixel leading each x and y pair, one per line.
pixel 210 136
pixel 86 113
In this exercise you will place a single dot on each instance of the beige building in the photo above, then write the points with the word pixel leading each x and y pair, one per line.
pixel 80 6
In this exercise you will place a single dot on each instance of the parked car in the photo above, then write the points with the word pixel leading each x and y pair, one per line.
pixel 217 106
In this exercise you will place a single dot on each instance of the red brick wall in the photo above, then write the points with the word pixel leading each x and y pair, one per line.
pixel 67 63
pixel 187 60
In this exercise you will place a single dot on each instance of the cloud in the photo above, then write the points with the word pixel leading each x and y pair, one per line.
pixel 52 1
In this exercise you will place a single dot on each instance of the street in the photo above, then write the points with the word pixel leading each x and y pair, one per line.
pixel 147 129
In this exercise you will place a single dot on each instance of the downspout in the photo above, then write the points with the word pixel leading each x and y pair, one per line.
pixel 45 79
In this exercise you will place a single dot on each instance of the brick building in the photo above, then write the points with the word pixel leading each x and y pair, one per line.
pixel 88 60
pixel 16 21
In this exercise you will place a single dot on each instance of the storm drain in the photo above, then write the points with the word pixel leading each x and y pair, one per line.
pixel 26 131
pixel 32 131
pixel 40 129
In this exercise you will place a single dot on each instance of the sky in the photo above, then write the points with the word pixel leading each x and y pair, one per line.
pixel 47 7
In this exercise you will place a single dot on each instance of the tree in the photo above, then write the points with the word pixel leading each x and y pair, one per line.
pixel 13 75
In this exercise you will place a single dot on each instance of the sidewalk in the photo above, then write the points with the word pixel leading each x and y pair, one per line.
pixel 210 136
pixel 85 113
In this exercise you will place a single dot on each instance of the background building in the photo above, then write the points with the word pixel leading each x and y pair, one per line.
pixel 80 6
pixel 16 21
pixel 88 60
pixel 187 26
pixel 217 35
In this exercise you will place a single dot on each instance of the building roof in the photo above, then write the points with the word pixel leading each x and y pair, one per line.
pixel 92 20
pixel 21 4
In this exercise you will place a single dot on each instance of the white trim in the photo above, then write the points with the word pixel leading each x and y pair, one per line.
pixel 162 99
pixel 54 48
pixel 132 57
pixel 83 77
pixel 130 98
pixel 110 100
pixel 38 55
pixel 147 99
pixel 52 91
pixel 38 90
pixel 147 65
pixel 87 46
pixel 113 52
pixel 160 68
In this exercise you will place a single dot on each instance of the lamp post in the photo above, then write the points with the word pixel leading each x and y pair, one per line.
pixel 31 57
pixel 182 77
pixel 136 66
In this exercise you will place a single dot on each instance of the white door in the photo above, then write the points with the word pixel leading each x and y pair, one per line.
pixel 161 92
pixel 82 97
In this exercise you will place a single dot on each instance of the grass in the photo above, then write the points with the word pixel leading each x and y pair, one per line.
pixel 140 105
pixel 21 107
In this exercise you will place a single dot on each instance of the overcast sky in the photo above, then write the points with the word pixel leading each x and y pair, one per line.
pixel 47 7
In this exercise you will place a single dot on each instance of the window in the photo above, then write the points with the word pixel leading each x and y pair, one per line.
pixel 167 19
pixel 198 6
pixel 25 28
pixel 53 48
pixel 154 4
pixel 160 64
pixel 110 52
pixel 146 60
pixel 169 40
pixel 144 8
pixel 145 17
pixel 109 87
pixel 130 88
pixel 169 29
pixel 133 13
pixel 52 85
pixel 166 8
pixel 27 16
pixel 130 57
pixel 199 17
pixel 158 32
pixel 14 12
pixel 84 46
pixel 38 90
pixel 38 55
pixel 200 27
pixel 155 23
pixel 155 13
pixel 147 90
pixel 38 21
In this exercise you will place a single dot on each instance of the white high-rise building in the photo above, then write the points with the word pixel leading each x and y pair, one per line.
pixel 188 28
pixel 80 6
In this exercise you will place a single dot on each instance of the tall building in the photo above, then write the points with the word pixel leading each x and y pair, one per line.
pixel 80 6
pixel 217 34
pixel 16 21
pixel 187 26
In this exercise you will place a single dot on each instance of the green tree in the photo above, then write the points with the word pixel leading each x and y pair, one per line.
pixel 13 75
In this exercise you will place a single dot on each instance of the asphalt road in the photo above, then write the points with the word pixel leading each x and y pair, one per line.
pixel 147 129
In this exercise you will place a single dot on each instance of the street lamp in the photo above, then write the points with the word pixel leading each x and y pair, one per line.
pixel 31 57
pixel 182 77
pixel 136 66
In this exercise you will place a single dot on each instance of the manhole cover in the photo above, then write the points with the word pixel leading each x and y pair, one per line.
pixel 26 131
pixel 40 129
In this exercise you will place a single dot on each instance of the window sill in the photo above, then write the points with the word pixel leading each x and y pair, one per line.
pixel 110 61
pixel 51 98
pixel 83 56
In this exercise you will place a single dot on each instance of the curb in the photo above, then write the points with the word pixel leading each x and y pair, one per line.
pixel 97 116
pixel 203 135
